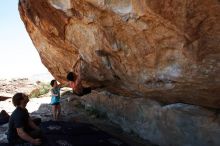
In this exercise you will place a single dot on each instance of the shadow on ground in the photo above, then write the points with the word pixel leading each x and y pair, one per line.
pixel 80 127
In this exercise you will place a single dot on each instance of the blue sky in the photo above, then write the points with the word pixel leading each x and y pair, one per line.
pixel 18 57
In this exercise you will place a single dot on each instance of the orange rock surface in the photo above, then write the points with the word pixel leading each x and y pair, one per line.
pixel 167 50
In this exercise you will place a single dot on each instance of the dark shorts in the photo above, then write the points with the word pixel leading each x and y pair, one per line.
pixel 57 103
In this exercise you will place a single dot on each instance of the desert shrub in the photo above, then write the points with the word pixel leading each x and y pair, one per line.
pixel 42 89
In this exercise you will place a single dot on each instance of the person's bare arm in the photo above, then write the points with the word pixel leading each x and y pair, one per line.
pixel 79 73
pixel 32 124
pixel 53 94
pixel 78 80
pixel 23 135
pixel 63 85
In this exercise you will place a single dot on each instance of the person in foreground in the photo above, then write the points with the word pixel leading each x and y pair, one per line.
pixel 22 130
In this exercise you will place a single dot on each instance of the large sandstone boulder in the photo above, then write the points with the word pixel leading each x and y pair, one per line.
pixel 167 50
pixel 166 125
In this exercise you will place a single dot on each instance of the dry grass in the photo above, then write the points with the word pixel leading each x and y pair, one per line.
pixel 42 89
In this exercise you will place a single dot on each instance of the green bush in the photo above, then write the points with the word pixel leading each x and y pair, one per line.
pixel 42 89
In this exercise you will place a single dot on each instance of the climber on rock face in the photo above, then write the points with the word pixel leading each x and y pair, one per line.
pixel 75 83
pixel 75 80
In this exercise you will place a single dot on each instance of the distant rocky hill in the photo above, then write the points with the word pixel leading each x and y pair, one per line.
pixel 45 77
pixel 9 87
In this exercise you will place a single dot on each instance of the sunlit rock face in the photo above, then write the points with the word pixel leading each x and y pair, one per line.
pixel 167 50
